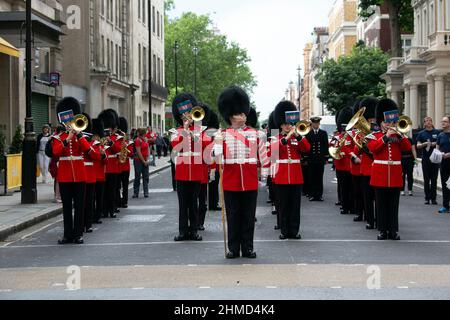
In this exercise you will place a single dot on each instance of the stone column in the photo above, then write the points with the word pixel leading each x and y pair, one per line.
pixel 431 101
pixel 395 97
pixel 407 110
pixel 414 105
pixel 439 98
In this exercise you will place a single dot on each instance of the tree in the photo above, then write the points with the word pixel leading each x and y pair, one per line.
pixel 343 81
pixel 220 63
pixel 16 144
pixel 401 18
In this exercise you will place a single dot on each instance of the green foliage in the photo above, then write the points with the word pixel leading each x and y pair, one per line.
pixel 353 76
pixel 220 63
pixel 16 144
pixel 169 5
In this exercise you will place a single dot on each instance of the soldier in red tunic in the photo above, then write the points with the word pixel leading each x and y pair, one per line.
pixel 98 131
pixel 286 152
pixel 69 147
pixel 241 148
pixel 188 146
pixel 124 164
pixel 387 146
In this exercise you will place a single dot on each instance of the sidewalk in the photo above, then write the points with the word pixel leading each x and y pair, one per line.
pixel 15 217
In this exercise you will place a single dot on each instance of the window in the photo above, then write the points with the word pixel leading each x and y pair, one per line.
pixel 140 60
pixel 158 23
pixel 139 10
pixel 144 76
pixel 161 75
pixel 111 10
pixel 102 51
pixel 154 68
pixel 432 28
pixel 153 20
pixel 162 27
pixel 107 54
pixel 117 13
pixel 143 12
pixel 158 78
pixel 424 28
pixel 447 15
pixel 107 8
pixel 145 119
pixel 120 62
pixel 103 7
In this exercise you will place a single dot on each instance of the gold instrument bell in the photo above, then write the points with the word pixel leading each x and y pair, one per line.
pixel 362 127
pixel 404 124
pixel 79 123
pixel 302 128
pixel 335 152
pixel 198 114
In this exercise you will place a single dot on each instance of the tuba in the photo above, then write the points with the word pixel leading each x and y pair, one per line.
pixel 335 152
pixel 361 126
pixel 302 128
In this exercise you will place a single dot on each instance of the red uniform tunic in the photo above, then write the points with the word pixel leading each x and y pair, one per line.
pixel 99 164
pixel 93 154
pixel 125 167
pixel 355 168
pixel 343 164
pixel 366 162
pixel 71 163
pixel 287 159
pixel 189 146
pixel 387 165
pixel 242 149
pixel 112 166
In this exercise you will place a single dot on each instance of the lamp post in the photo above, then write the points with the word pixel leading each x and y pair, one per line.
pixel 299 70
pixel 196 51
pixel 29 191
pixel 176 47
pixel 150 70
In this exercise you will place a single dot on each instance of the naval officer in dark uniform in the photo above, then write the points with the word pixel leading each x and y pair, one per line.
pixel 317 158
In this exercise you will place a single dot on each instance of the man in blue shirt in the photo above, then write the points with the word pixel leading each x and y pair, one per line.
pixel 426 141
pixel 443 145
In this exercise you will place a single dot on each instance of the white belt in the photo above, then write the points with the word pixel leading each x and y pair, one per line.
pixel 72 158
pixel 241 161
pixel 112 157
pixel 88 164
pixel 288 161
pixel 190 154
pixel 390 163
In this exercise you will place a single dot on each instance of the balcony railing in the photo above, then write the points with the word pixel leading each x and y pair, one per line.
pixel 413 53
pixel 158 91
pixel 440 41
pixel 394 63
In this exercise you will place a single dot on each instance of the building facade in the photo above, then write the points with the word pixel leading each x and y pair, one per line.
pixel 419 81
pixel 108 61
pixel 47 19
pixel 342 28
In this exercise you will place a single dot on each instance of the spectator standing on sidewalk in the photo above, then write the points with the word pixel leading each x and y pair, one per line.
pixel 166 144
pixel 44 161
pixel 443 145
pixel 141 164
pixel 159 145
pixel 427 141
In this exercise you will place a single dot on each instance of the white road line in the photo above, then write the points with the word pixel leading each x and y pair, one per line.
pixel 302 264
pixel 403 287
pixel 190 243
pixel 271 287
pixel 138 288
pixel 32 233
pixel 337 287
pixel 5 290
pixel 204 287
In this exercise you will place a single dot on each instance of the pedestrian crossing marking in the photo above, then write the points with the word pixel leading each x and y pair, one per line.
pixel 144 208
pixel 160 191
pixel 142 218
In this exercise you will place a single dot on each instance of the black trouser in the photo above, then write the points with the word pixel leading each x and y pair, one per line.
pixel 387 201
pixel 72 194
pixel 99 194
pixel 241 213
pixel 188 192
pixel 202 205
pixel 345 185
pixel 307 180
pixel 213 192
pixel 430 175
pixel 316 172
pixel 159 151
pixel 408 170
pixel 358 202
pixel 445 174
pixel 338 189
pixel 109 199
pixel 140 170
pixel 369 198
pixel 124 183
pixel 89 200
pixel 165 151
pixel 270 187
pixel 172 167
pixel 290 198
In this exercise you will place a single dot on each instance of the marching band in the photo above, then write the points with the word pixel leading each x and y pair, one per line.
pixel 226 167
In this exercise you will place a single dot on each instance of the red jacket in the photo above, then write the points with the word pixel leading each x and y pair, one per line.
pixel 99 163
pixel 287 155
pixel 387 165
pixel 189 164
pixel 112 166
pixel 242 150
pixel 71 162
pixel 93 154
pixel 366 162
pixel 355 168
pixel 344 163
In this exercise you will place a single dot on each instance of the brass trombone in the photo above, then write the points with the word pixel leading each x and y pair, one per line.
pixel 302 128
pixel 79 123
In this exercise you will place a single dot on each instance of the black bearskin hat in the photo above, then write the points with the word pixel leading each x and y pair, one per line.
pixel 383 106
pixel 89 128
pixel 207 109
pixel 356 106
pixel 370 103
pixel 179 99
pixel 98 128
pixel 214 121
pixel 345 115
pixel 123 125
pixel 232 101
pixel 68 103
pixel 279 114
pixel 252 118
pixel 271 123
pixel 110 118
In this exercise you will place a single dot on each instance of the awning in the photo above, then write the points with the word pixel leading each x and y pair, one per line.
pixel 9 49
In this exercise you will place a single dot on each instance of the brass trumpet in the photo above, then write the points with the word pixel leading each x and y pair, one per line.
pixel 79 123
pixel 302 128
pixel 198 114
pixel 404 125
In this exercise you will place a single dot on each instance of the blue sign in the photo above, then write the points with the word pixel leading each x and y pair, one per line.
pixel 185 106
pixel 292 116
pixel 65 117
pixel 391 116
